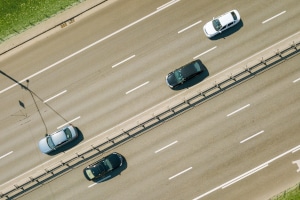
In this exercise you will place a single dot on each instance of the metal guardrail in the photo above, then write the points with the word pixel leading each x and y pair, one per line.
pixel 154 117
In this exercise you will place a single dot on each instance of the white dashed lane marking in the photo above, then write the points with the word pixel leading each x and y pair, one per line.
pixel 273 17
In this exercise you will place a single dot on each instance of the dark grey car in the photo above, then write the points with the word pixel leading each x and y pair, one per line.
pixel 184 73
pixel 103 166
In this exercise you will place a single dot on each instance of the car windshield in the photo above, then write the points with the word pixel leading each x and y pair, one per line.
pixel 234 15
pixel 178 75
pixel 50 142
pixel 68 133
pixel 107 164
pixel 90 173
pixel 197 66
pixel 217 25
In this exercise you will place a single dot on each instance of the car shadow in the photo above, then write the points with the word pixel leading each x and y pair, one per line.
pixel 113 173
pixel 69 145
pixel 195 80
pixel 229 31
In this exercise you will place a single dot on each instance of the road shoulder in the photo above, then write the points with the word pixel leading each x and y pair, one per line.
pixel 52 25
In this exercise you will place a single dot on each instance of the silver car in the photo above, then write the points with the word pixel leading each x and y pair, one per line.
pixel 55 140
pixel 221 23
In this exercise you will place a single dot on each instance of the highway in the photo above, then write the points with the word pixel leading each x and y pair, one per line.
pixel 201 152
pixel 111 65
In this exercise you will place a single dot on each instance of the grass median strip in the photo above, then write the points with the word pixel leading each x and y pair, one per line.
pixel 17 16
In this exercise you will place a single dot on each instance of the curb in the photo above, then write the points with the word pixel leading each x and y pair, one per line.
pixel 52 24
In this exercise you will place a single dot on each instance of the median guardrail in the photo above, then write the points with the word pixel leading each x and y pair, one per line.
pixel 153 117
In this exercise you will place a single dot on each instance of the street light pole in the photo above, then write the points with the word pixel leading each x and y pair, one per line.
pixel 33 95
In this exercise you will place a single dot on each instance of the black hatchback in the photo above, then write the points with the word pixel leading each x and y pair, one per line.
pixel 103 166
pixel 184 73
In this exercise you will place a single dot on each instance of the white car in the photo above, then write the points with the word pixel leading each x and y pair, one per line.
pixel 221 23
pixel 59 138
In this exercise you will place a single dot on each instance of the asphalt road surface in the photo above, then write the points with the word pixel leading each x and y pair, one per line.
pixel 111 65
pixel 214 151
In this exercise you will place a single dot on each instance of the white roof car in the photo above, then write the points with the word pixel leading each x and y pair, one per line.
pixel 53 141
pixel 221 23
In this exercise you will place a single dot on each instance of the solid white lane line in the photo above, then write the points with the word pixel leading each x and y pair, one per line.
pixel 205 52
pixel 242 108
pixel 273 17
pixel 190 26
pixel 7 154
pixel 206 193
pixel 296 80
pixel 250 172
pixel 260 132
pixel 69 122
pixel 89 46
pixel 180 173
pixel 170 3
pixel 55 96
pixel 296 149
pixel 245 175
pixel 166 146
pixel 99 181
pixel 119 63
pixel 137 87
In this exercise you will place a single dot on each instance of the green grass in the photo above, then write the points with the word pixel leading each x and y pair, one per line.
pixel 290 194
pixel 18 15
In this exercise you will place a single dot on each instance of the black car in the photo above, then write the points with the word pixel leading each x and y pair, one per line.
pixel 103 166
pixel 184 73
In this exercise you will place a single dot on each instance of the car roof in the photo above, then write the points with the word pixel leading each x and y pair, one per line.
pixel 114 159
pixel 99 168
pixel 58 137
pixel 191 68
pixel 226 18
